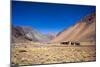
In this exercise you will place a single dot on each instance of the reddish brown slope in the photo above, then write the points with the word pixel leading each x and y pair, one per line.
pixel 83 30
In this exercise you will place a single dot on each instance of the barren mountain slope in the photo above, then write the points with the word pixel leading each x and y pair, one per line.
pixel 84 30
pixel 26 33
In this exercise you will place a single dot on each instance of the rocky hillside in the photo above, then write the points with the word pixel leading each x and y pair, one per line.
pixel 84 30
pixel 25 33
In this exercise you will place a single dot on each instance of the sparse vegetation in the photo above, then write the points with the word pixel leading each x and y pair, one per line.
pixel 52 53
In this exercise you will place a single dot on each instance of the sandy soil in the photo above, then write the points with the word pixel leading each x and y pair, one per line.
pixel 36 53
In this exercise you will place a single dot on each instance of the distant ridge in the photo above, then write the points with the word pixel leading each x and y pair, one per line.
pixel 27 33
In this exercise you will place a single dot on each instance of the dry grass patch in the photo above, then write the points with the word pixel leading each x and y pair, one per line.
pixel 52 54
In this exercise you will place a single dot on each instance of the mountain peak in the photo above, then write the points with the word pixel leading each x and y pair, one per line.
pixel 90 18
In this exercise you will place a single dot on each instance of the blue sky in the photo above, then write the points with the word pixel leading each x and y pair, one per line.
pixel 47 17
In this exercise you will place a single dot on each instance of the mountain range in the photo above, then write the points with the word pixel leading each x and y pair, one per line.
pixel 26 33
pixel 83 30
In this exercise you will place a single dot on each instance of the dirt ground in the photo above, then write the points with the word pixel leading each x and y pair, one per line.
pixel 38 53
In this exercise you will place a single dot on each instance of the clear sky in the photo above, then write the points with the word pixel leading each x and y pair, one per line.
pixel 47 17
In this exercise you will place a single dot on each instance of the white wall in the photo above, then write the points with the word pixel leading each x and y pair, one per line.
pixel 86 2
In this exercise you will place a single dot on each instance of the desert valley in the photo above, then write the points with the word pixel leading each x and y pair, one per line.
pixel 74 44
